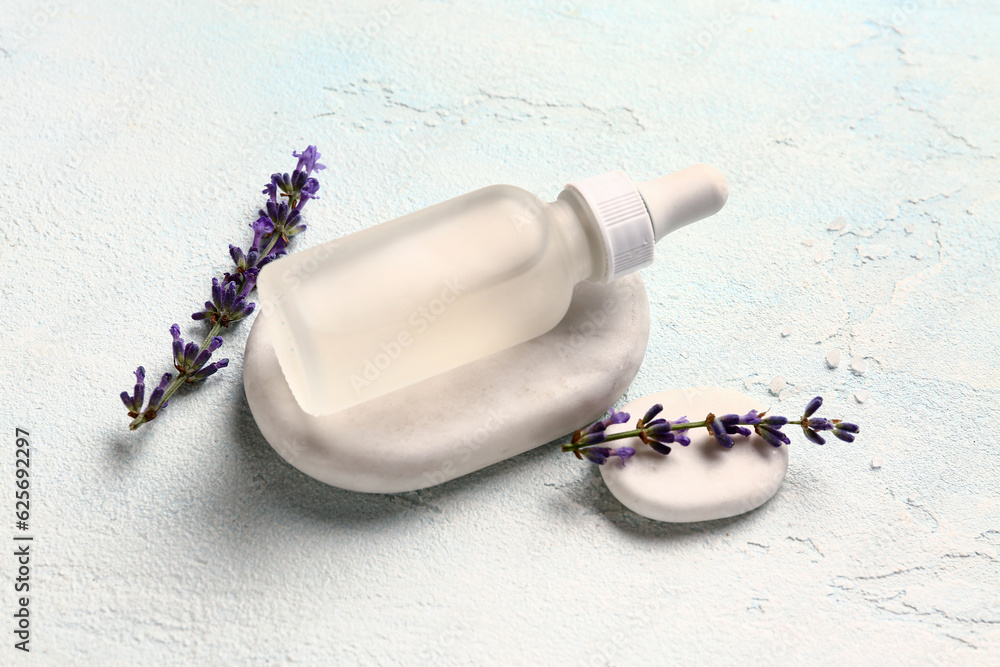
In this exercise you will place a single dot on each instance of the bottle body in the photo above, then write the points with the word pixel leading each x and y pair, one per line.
pixel 403 301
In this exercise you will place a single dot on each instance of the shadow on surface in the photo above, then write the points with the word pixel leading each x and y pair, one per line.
pixel 126 447
pixel 279 485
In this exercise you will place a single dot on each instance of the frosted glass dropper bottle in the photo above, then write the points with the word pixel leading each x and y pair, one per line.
pixel 408 299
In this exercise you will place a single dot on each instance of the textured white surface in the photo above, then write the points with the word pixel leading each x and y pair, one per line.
pixel 702 481
pixel 136 137
pixel 466 419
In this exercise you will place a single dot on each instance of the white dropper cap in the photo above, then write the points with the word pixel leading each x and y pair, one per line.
pixel 632 217
pixel 684 197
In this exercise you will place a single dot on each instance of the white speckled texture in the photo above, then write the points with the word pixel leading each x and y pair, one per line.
pixel 136 138
pixel 702 481
pixel 471 417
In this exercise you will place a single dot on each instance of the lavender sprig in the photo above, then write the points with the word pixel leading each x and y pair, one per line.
pixel 594 434
pixel 659 434
pixel 273 230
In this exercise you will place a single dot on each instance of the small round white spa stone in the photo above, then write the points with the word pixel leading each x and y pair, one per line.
pixel 704 480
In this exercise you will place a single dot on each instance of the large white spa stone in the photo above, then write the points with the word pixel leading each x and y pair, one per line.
pixel 704 480
pixel 468 418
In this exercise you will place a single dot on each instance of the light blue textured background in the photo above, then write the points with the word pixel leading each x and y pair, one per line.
pixel 135 140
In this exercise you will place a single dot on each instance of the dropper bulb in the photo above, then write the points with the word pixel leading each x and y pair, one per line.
pixel 684 197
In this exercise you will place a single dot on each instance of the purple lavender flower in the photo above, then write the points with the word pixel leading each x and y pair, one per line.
pixel 271 189
pixel 813 436
pixel 228 303
pixel 812 407
pixel 262 228
pixel 134 402
pixel 600 455
pixel 292 187
pixel 298 187
pixel 616 418
pixel 650 415
pixel 207 370
pixel 659 447
pixel 718 430
pixel 657 434
pixel 624 453
pixel 178 347
pixel 272 232
pixel 594 433
pixel 751 418
pixel 309 190
pixel 309 160
pixel 772 435
pixel 769 428
pixel 845 430
pixel 247 266
pixel 820 424
pixel 154 398
pixel 660 431
pixel 731 422
pixel 287 221
pixel 810 427
pixel 242 262
pixel 590 435
pixel 190 360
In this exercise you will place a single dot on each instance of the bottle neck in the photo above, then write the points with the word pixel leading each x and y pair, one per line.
pixel 579 237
